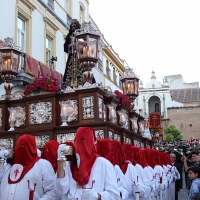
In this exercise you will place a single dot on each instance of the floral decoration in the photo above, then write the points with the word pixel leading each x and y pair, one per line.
pixel 44 83
pixel 122 99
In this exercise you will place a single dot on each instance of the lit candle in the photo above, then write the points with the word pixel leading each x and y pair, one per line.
pixel 8 64
pixel 112 112
pixel 88 52
pixel 128 87
pixel 64 110
pixel 92 51
pixel 84 51
pixel 123 118
pixel 5 65
pixel 12 115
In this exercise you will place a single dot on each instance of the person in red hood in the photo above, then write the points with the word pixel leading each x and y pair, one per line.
pixel 30 177
pixel 105 149
pixel 134 182
pixel 91 177
pixel 49 153
pixel 159 172
pixel 146 173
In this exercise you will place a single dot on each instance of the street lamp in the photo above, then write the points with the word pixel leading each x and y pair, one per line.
pixel 9 64
pixel 130 84
pixel 87 49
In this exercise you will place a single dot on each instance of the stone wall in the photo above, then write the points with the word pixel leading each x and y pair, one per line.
pixel 182 117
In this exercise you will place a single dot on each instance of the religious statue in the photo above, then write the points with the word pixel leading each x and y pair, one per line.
pixel 73 71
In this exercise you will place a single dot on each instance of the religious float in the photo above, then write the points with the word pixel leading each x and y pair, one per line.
pixel 57 112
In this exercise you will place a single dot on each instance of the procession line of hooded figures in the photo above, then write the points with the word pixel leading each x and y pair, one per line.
pixel 104 169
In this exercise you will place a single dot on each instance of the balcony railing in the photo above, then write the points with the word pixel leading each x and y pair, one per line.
pixel 115 78
pixel 50 3
pixel 51 11
pixel 69 18
pixel 120 84
pixel 100 65
pixel 108 72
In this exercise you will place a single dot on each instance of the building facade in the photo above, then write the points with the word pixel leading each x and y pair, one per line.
pixel 176 101
pixel 39 27
pixel 110 66
pixel 186 119
pixel 155 97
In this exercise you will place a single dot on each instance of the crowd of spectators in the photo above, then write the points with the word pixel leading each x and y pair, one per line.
pixel 185 155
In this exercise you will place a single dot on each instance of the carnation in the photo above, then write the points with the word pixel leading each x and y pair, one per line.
pixel 44 84
pixel 123 99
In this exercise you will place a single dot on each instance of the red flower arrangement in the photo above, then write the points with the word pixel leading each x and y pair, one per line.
pixel 44 84
pixel 123 99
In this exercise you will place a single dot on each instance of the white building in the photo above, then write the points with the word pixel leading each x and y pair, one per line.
pixel 39 27
pixel 155 97
pixel 110 66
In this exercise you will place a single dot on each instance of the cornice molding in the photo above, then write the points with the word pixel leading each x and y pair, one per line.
pixel 114 59
pixel 50 23
pixel 29 4
pixel 23 13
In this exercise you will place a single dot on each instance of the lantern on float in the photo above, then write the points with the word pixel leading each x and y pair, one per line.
pixel 9 64
pixel 130 84
pixel 87 49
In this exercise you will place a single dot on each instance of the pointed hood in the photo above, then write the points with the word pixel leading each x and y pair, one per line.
pixel 25 157
pixel 86 154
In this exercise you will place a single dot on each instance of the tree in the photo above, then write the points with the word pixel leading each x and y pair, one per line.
pixel 172 133
pixel 169 137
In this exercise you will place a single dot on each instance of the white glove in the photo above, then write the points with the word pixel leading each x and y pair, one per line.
pixel 88 194
pixel 162 186
pixel 60 149
pixel 137 188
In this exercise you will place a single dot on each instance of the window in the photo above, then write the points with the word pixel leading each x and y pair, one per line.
pixel 67 6
pixel 114 76
pixel 115 79
pixel 153 85
pixel 50 41
pixel 107 63
pixel 21 38
pixel 50 3
pixel 21 34
pixel 108 72
pixel 48 51
pixel 81 15
pixel 100 64
pixel 120 83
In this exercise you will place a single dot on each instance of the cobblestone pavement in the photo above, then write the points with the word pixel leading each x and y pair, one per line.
pixel 183 193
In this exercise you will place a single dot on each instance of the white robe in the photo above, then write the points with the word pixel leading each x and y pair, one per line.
pixel 132 177
pixel 174 175
pixel 146 179
pixel 41 173
pixel 121 182
pixel 160 172
pixel 105 182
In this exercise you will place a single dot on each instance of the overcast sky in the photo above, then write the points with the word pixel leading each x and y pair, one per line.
pixel 163 35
